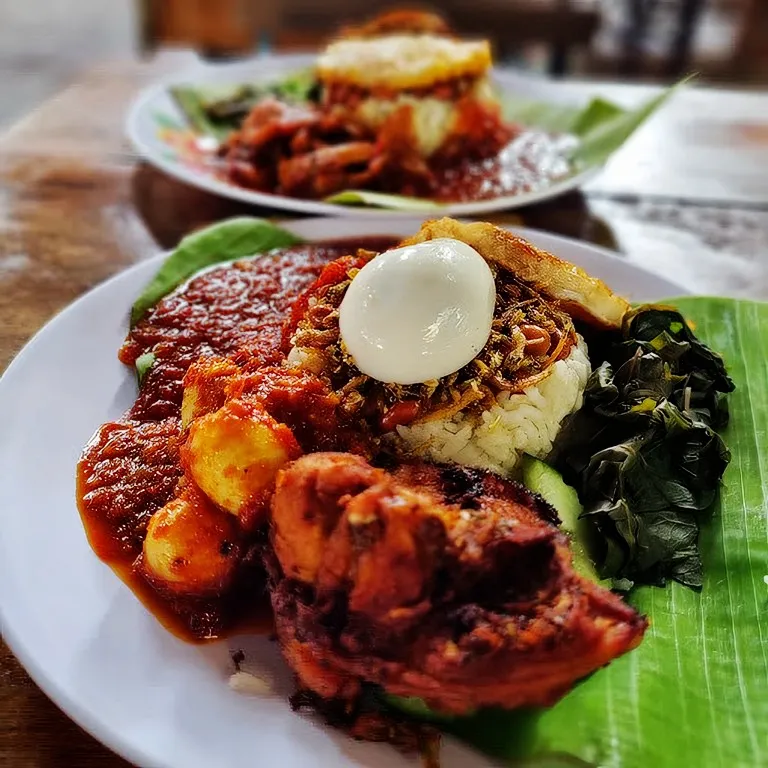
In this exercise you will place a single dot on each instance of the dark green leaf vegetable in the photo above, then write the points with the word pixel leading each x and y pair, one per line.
pixel 644 450
pixel 226 241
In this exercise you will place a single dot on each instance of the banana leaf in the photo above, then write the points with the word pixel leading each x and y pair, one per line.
pixel 225 241
pixel 695 692
pixel 383 200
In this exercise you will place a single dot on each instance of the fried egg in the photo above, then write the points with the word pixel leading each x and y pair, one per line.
pixel 402 62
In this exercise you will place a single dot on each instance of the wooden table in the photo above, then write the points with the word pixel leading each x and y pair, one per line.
pixel 687 197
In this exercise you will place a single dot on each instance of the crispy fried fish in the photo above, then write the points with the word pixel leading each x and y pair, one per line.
pixel 580 295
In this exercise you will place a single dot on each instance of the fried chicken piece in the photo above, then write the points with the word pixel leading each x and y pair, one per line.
pixel 448 584
pixel 580 295
pixel 326 170
pixel 271 119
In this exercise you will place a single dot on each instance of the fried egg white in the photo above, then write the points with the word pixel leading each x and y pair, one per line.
pixel 402 62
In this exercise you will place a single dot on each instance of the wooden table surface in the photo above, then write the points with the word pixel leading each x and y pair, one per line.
pixel 687 197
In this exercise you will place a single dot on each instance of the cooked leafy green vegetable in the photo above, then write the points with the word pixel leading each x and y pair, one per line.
pixel 228 240
pixel 644 451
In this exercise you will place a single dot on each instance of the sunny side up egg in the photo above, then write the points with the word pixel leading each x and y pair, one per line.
pixel 418 313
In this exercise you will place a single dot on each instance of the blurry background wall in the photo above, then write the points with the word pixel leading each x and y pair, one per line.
pixel 45 43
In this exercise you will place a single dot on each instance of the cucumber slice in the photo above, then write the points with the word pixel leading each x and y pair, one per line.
pixel 549 484
pixel 416 707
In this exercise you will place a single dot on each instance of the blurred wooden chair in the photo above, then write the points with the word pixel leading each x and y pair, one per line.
pixel 563 26
pixel 750 59
pixel 741 60
pixel 640 13
pixel 231 27
pixel 216 28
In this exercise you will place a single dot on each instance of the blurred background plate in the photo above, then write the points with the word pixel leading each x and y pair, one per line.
pixel 155 119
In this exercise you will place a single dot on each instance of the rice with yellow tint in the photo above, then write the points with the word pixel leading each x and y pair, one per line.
pixel 496 438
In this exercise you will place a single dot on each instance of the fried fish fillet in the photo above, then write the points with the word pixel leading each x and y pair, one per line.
pixel 582 296
pixel 444 583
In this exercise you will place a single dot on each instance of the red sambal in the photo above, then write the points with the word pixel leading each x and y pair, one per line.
pixel 130 469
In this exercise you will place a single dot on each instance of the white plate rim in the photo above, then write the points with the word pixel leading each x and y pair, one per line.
pixel 275 65
pixel 104 731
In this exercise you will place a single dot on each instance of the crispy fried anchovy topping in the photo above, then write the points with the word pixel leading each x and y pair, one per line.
pixel 529 333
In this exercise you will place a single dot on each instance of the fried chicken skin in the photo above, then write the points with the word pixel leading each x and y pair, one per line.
pixel 444 583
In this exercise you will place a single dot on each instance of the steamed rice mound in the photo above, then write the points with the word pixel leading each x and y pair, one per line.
pixel 496 438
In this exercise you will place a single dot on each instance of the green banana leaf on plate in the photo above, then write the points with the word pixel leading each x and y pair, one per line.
pixel 695 692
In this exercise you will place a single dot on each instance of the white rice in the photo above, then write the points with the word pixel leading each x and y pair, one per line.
pixel 516 424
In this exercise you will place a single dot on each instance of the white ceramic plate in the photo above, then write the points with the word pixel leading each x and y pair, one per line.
pixel 81 634
pixel 149 142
